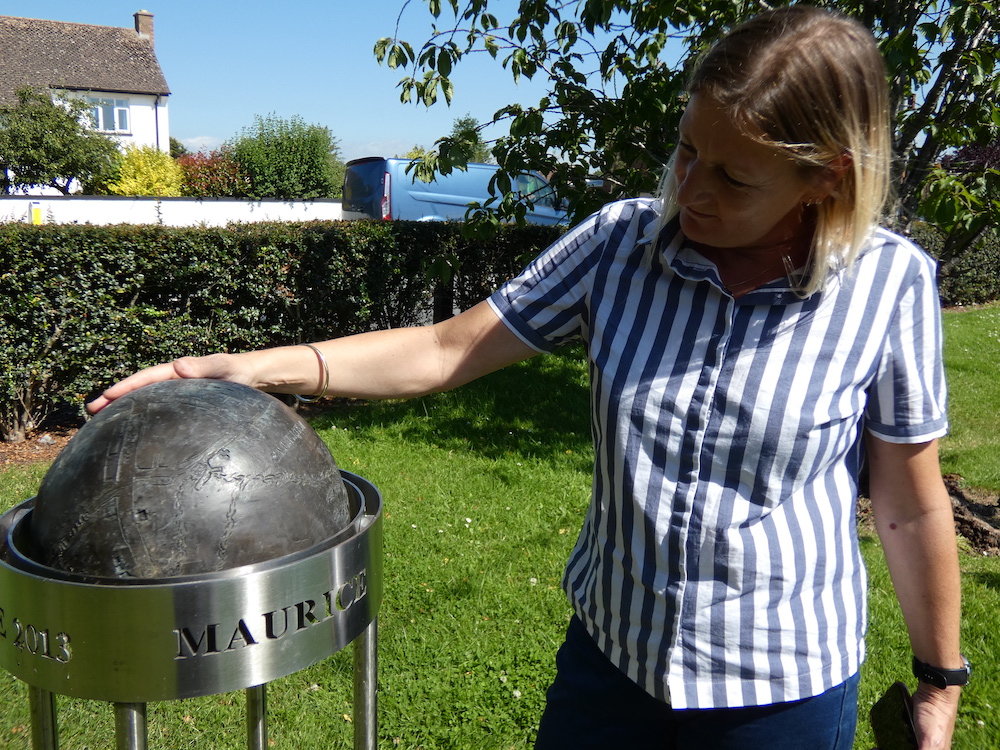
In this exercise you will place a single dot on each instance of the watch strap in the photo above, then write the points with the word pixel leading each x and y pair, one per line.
pixel 941 678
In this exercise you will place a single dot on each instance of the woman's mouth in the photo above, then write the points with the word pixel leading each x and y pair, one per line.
pixel 695 214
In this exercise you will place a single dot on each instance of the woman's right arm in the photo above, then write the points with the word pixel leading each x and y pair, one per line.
pixel 394 363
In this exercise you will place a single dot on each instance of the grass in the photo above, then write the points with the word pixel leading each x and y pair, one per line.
pixel 485 489
pixel 972 358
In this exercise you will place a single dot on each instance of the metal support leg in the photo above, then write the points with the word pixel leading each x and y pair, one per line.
pixel 130 726
pixel 44 734
pixel 366 688
pixel 257 717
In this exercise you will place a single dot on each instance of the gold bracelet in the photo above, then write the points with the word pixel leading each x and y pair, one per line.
pixel 326 378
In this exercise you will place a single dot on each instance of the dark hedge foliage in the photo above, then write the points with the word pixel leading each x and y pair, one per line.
pixel 82 306
pixel 972 278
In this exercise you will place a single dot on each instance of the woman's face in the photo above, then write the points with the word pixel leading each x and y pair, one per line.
pixel 734 192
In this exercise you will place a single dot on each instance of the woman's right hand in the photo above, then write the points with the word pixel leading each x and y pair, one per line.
pixel 394 363
pixel 218 366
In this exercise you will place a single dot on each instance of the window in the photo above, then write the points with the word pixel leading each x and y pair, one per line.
pixel 535 188
pixel 109 115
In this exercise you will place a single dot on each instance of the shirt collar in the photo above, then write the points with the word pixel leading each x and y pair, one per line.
pixel 688 263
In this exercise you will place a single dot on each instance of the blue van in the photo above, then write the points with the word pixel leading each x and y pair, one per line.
pixel 378 188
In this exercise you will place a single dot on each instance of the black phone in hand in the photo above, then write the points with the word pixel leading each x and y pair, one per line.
pixel 892 720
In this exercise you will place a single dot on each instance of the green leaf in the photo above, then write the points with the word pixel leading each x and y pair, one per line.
pixel 444 63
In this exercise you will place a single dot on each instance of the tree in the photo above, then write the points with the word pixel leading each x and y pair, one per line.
pixel 467 131
pixel 49 143
pixel 288 159
pixel 616 72
pixel 963 198
pixel 177 149
pixel 417 152
pixel 145 170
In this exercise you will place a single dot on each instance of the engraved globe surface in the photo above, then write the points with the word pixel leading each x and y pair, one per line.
pixel 187 477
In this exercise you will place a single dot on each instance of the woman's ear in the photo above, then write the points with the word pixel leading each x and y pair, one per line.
pixel 828 178
pixel 839 166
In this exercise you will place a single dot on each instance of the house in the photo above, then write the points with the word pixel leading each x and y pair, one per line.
pixel 114 69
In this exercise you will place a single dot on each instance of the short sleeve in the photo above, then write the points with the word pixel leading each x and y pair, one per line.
pixel 908 400
pixel 546 304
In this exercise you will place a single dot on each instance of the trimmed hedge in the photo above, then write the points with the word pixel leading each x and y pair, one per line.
pixel 972 278
pixel 82 305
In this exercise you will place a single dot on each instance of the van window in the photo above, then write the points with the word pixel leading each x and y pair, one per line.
pixel 363 186
pixel 537 189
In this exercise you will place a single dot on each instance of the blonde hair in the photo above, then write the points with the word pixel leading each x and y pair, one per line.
pixel 812 84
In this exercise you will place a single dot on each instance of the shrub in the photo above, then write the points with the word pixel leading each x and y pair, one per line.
pixel 85 305
pixel 973 277
pixel 287 159
pixel 211 175
pixel 145 170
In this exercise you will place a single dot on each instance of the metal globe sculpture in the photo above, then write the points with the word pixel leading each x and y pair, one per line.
pixel 186 477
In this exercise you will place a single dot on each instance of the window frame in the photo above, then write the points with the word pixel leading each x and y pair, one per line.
pixel 120 109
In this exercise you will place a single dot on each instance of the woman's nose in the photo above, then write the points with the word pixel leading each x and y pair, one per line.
pixel 691 183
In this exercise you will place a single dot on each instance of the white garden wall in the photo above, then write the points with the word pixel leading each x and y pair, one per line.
pixel 175 212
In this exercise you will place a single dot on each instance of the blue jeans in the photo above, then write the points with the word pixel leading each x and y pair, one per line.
pixel 592 704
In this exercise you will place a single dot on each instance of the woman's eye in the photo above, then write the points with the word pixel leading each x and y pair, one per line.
pixel 732 181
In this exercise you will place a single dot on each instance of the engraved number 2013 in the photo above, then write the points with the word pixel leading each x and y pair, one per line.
pixel 36 641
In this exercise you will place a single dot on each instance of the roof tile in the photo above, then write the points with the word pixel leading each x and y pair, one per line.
pixel 76 57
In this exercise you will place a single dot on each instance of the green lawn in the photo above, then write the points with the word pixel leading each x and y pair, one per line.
pixel 972 356
pixel 484 490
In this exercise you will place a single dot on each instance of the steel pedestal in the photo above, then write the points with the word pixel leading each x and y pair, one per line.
pixel 132 642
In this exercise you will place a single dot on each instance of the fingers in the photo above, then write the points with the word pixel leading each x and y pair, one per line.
pixel 186 367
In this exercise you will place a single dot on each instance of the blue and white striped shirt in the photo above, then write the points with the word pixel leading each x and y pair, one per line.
pixel 718 565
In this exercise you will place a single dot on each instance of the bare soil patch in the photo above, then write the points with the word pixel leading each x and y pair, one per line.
pixel 42 446
pixel 977 516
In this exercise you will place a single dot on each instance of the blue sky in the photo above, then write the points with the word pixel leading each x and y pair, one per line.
pixel 229 60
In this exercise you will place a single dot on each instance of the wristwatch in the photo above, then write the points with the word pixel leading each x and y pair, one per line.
pixel 941 678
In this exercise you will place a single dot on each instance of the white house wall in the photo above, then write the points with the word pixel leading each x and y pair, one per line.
pixel 177 212
pixel 163 123
pixel 149 122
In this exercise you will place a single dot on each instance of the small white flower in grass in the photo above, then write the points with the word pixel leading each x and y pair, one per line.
pixel 468 520
pixel 413 526
pixel 517 693
pixel 503 678
pixel 533 581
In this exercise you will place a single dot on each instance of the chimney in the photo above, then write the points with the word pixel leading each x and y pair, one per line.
pixel 144 25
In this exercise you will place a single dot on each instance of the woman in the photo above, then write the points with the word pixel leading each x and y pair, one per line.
pixel 749 336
